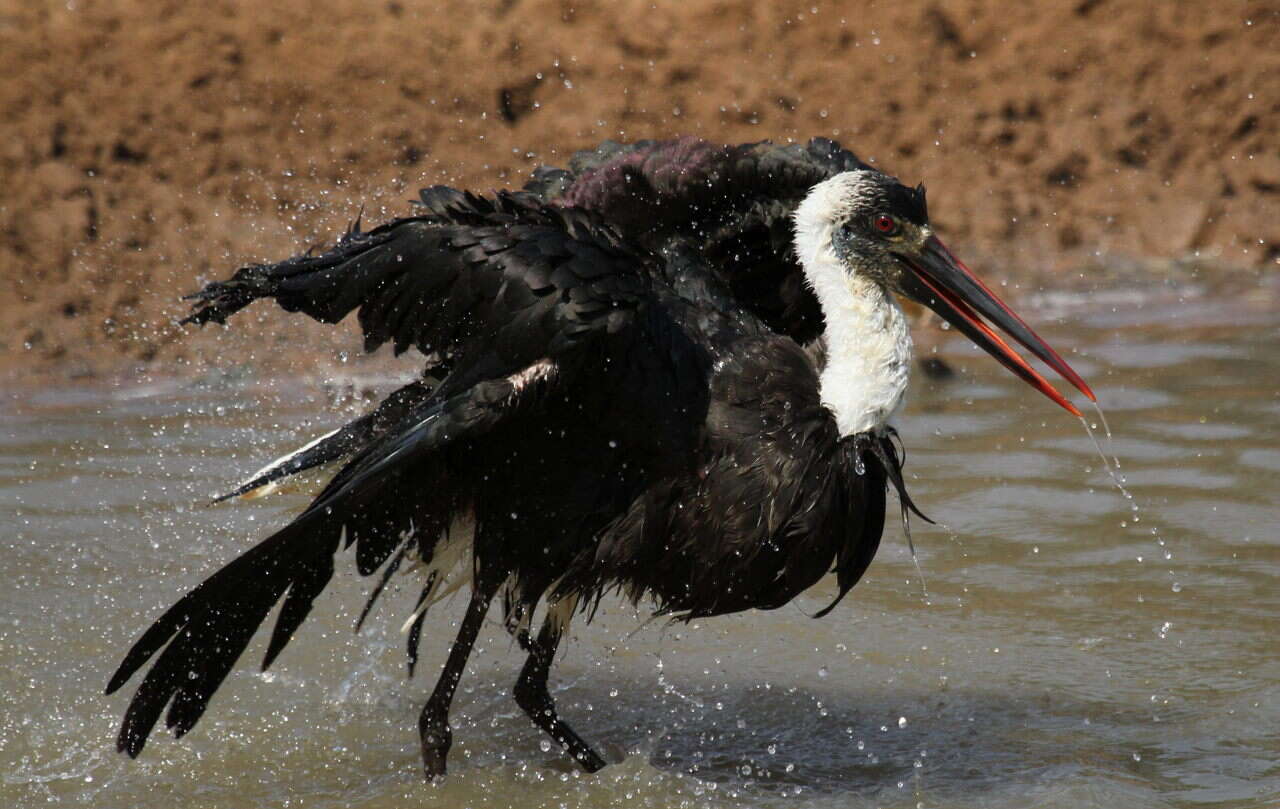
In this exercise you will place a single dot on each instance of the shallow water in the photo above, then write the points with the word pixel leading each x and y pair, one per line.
pixel 1069 652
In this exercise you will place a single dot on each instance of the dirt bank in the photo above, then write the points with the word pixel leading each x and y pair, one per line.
pixel 147 144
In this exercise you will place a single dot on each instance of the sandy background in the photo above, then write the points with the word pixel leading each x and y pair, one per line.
pixel 150 144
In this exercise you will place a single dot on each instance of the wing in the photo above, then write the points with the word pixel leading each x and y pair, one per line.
pixel 733 203
pixel 778 499
pixel 438 280
pixel 520 305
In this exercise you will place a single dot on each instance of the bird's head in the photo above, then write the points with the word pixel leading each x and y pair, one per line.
pixel 864 226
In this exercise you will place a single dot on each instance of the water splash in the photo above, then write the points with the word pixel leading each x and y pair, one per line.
pixel 1119 482
pixel 1106 429
pixel 915 560
pixel 1111 470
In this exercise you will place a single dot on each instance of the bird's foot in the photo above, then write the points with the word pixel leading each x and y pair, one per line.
pixel 589 759
pixel 436 740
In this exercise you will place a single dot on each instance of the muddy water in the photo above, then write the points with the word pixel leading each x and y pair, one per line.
pixel 1069 651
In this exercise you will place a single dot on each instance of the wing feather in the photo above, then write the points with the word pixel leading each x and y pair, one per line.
pixel 511 337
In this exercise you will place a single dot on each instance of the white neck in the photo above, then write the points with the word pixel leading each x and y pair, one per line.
pixel 868 340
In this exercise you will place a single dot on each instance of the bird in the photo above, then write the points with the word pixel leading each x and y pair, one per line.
pixel 608 418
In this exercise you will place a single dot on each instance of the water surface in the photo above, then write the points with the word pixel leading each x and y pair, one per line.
pixel 1069 651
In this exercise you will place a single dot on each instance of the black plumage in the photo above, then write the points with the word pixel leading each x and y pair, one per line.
pixel 595 426
pixel 609 415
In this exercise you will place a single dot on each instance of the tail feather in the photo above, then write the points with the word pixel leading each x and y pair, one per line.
pixel 419 618
pixel 415 635
pixel 201 637
pixel 346 440
pixel 328 447
pixel 208 629
pixel 387 573
pixel 297 605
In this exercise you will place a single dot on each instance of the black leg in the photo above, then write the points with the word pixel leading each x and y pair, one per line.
pixel 433 724
pixel 532 695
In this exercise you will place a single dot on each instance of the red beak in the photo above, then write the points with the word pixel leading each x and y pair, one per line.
pixel 939 280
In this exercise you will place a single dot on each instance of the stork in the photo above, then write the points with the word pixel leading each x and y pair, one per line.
pixel 609 418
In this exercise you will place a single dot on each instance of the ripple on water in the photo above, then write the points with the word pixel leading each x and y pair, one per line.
pixel 1127 448
pixel 1179 477
pixel 1227 520
pixel 1201 431
pixel 1261 458
pixel 1136 355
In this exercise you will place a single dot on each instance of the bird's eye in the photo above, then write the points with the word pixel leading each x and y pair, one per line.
pixel 885 224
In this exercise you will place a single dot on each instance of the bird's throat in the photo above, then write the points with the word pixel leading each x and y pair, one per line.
pixel 868 354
